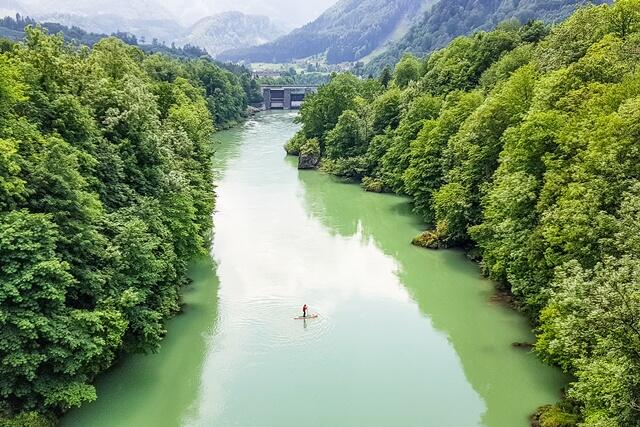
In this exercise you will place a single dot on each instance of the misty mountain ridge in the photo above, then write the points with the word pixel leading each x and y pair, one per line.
pixel 291 12
pixel 229 30
pixel 161 29
pixel 379 32
pixel 128 9
pixel 448 19
pixel 214 33
pixel 145 18
pixel 348 31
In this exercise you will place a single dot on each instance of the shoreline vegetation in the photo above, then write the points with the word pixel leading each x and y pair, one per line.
pixel 105 195
pixel 520 143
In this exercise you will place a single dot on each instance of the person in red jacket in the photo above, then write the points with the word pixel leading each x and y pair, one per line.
pixel 304 310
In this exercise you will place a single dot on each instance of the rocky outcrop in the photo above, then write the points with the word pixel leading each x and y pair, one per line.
pixel 308 161
pixel 309 155
pixel 252 111
pixel 429 239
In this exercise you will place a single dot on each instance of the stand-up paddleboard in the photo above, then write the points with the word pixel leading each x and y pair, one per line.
pixel 311 316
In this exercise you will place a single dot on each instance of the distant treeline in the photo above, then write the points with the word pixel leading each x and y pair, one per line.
pixel 292 77
pixel 14 29
pixel 521 144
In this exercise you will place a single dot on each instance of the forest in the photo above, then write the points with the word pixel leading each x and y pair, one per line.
pixel 105 196
pixel 521 145
pixel 446 20
pixel 13 29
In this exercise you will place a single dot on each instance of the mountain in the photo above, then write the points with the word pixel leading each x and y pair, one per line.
pixel 448 19
pixel 146 18
pixel 293 13
pixel 231 30
pixel 186 13
pixel 348 31
pixel 162 29
pixel 14 29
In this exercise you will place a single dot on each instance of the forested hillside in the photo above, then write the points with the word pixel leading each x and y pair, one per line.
pixel 347 31
pixel 105 196
pixel 520 144
pixel 14 29
pixel 449 19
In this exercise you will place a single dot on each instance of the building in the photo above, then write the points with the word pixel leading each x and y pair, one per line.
pixel 285 97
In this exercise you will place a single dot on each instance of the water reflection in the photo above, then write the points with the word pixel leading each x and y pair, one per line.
pixel 360 362
pixel 404 337
pixel 159 389
pixel 449 291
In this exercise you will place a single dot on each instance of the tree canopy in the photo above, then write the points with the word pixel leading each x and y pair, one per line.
pixel 521 144
pixel 105 195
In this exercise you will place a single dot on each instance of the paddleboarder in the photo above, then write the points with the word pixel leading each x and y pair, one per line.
pixel 304 310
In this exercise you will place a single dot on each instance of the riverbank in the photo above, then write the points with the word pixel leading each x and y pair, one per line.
pixel 404 336
pixel 162 381
pixel 500 140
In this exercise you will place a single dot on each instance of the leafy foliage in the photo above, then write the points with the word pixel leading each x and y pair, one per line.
pixel 524 144
pixel 407 70
pixel 105 194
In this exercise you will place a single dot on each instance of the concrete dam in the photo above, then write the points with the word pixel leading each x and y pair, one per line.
pixel 285 97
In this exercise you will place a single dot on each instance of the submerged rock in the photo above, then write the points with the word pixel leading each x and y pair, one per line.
pixel 523 345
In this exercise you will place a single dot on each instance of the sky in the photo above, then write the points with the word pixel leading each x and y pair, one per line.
pixel 293 12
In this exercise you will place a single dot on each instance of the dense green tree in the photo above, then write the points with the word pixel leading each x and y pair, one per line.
pixel 11 89
pixel 396 159
pixel 226 98
pixel 407 70
pixel 105 196
pixel 591 327
pixel 385 77
pixel 49 350
pixel 427 168
pixel 346 139
pixel 387 110
pixel 506 235
pixel 320 111
pixel 462 63
pixel 522 143
pixel 474 151
pixel 569 42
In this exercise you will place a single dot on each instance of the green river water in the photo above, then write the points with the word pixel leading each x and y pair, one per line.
pixel 405 336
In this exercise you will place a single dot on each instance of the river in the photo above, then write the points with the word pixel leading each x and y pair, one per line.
pixel 405 336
